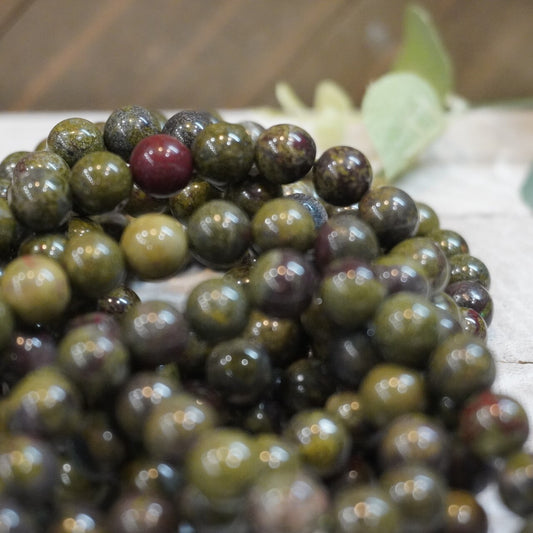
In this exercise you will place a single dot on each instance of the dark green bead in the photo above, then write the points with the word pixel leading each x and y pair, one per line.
pixel 186 124
pixel 100 181
pixel 7 166
pixel 284 153
pixel 515 483
pixel 365 509
pixel 223 463
pixel 73 138
pixel 118 300
pixel 348 407
pixel 398 273
pixel 464 513
pixel 8 229
pixel 78 518
pixel 7 323
pixel 51 245
pixel 148 475
pixel 217 309
pixel 126 126
pixel 219 233
pixel 390 390
pixel 449 241
pixel 466 267
pixel 94 263
pixel 36 288
pixel 174 424
pixel 276 453
pixel 190 198
pixel 251 193
pixel 420 494
pixel 428 220
pixel 40 195
pixel 283 222
pixel 240 370
pixel 141 203
pixel 406 329
pixel 460 366
pixel 322 440
pixel 95 360
pixel 223 153
pixel 78 225
pixel 391 212
pixel 350 293
pixel 155 246
pixel 431 258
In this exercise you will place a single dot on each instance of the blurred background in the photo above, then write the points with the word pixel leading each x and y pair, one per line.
pixel 169 54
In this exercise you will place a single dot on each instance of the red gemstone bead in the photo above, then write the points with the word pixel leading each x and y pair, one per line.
pixel 161 165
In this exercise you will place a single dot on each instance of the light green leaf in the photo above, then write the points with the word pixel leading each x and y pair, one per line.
pixel 402 114
pixel 423 52
pixel 330 95
pixel 288 100
pixel 527 188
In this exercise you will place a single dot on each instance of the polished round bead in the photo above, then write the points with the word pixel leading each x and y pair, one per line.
pixel 466 267
pixel 473 295
pixel 342 175
pixel 464 514
pixel 155 246
pixel 161 165
pixel 186 124
pixel 284 153
pixel 449 241
pixel 515 482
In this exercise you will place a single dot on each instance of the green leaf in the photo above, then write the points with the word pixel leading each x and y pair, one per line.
pixel 330 95
pixel 288 100
pixel 402 114
pixel 527 188
pixel 423 52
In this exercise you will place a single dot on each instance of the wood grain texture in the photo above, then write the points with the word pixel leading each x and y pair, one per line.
pixel 59 54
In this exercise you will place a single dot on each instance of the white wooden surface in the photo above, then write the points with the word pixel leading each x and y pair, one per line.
pixel 472 177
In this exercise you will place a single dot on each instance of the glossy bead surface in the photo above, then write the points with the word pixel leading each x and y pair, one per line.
pixel 49 244
pixel 251 193
pixel 283 222
pixel 365 509
pixel 219 233
pixel 473 295
pixel 345 235
pixel 196 193
pixel 284 153
pixel 391 212
pixel 161 165
pixel 155 246
pixel 223 153
pixel 464 514
pixel 186 124
pixel 94 263
pixel 8 229
pixel 240 370
pixel 473 323
pixel 493 424
pixel 322 440
pixel 73 138
pixel 342 175
pixel 282 282
pixel 347 406
pixel 350 292
pixel 40 195
pixel 37 288
pixel 126 126
pixel 217 309
pixel 515 483
pixel 406 329
pixel 466 267
pixel 276 453
pixel 428 220
pixel 398 273
pixel 390 390
pixel 118 300
pixel 100 181
pixel 460 366
pixel 449 241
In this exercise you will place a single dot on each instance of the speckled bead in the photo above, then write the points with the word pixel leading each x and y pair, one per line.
pixel 185 125
pixel 126 126
pixel 284 153
pixel 75 137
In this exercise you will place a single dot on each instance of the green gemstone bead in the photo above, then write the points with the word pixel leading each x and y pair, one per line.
pixel 36 288
pixel 276 453
pixel 196 193
pixel 8 229
pixel 94 263
pixel 51 245
pixel 428 220
pixel 75 137
pixel 155 246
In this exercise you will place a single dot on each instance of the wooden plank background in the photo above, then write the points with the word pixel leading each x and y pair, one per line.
pixel 167 54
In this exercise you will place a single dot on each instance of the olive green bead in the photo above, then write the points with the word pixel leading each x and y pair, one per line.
pixel 223 153
pixel 348 407
pixel 365 509
pixel 8 229
pixel 196 193
pixel 219 233
pixel 7 166
pixel 322 440
pixel 460 366
pixel 449 241
pixel 174 424
pixel 155 246
pixel 283 222
pixel 406 329
pixel 390 390
pixel 7 323
pixel 515 482
pixel 466 267
pixel 78 225
pixel 51 245
pixel 222 463
pixel 94 263
pixel 431 258
pixel 100 181
pixel 36 288
pixel 428 220
pixel 276 453
pixel 464 514
pixel 217 309
pixel 72 138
